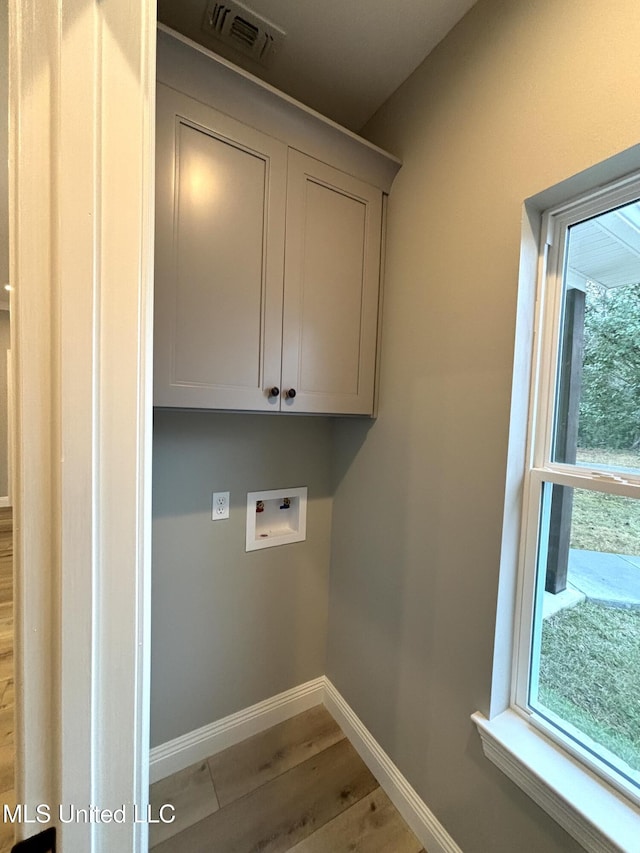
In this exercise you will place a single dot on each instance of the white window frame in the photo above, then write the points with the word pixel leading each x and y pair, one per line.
pixel 595 805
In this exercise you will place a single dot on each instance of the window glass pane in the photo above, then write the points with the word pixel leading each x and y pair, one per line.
pixel 597 417
pixel 585 666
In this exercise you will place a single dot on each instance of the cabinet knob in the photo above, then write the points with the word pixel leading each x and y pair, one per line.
pixel 291 393
pixel 273 392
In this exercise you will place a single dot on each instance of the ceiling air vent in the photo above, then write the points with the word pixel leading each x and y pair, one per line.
pixel 241 28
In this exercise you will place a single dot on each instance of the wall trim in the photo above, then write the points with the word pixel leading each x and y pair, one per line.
pixel 195 746
pixel 405 798
pixel 81 206
pixel 195 70
pixel 599 817
pixel 4 502
pixel 187 749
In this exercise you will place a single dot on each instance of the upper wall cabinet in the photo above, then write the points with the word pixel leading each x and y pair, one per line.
pixel 268 259
pixel 220 228
pixel 331 288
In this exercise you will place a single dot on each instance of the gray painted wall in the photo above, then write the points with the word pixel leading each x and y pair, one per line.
pixel 229 628
pixel 517 98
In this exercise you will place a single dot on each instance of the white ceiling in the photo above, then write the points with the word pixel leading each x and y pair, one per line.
pixel 340 57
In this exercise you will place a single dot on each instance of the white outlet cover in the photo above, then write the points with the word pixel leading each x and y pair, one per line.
pixel 281 520
pixel 219 506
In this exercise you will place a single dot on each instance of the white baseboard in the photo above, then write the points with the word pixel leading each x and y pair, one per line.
pixel 195 746
pixel 413 809
pixel 198 745
pixel 4 501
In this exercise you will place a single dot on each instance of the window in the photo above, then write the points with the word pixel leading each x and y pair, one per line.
pixel 564 720
pixel 578 660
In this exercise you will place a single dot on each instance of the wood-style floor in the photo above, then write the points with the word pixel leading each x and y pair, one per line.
pixel 7 749
pixel 299 786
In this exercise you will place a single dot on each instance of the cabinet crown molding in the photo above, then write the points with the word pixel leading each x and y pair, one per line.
pixel 192 69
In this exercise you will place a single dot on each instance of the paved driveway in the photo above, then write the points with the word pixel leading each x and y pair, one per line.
pixel 612 579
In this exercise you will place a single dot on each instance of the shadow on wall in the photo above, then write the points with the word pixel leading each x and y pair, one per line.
pixel 368 610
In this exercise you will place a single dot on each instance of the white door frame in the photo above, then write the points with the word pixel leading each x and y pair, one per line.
pixel 82 83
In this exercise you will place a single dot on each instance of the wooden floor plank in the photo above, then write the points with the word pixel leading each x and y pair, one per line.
pixel 7 725
pixel 279 814
pixel 192 794
pixel 7 829
pixel 6 642
pixel 7 693
pixel 6 662
pixel 371 826
pixel 7 755
pixel 247 765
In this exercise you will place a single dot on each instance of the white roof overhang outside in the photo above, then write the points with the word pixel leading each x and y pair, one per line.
pixel 606 250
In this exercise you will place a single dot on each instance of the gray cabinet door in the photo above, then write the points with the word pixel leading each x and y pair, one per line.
pixel 220 202
pixel 332 279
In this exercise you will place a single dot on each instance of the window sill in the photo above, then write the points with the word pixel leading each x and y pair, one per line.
pixel 591 811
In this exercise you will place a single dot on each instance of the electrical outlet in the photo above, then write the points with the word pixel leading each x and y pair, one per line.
pixel 220 506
